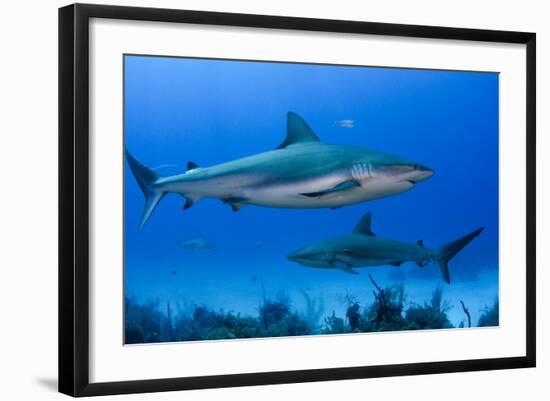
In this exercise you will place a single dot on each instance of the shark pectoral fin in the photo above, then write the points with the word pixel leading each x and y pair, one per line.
pixel 345 267
pixel 343 186
pixel 348 269
pixel 235 203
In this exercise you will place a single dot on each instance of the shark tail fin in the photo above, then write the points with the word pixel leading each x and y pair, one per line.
pixel 449 250
pixel 146 179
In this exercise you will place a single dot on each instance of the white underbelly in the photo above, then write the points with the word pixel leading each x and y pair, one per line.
pixel 292 196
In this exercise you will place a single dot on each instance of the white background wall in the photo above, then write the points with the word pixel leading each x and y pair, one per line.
pixel 28 205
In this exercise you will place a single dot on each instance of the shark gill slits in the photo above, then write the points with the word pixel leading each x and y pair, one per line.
pixel 360 171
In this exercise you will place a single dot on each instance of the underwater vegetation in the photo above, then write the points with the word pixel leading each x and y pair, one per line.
pixel 152 322
pixel 489 317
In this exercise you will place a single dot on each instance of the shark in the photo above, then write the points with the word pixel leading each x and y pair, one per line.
pixel 258 244
pixel 302 172
pixel 362 248
pixel 197 243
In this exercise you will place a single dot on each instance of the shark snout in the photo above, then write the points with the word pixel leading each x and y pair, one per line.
pixel 401 171
pixel 311 256
pixel 303 256
pixel 295 256
pixel 421 173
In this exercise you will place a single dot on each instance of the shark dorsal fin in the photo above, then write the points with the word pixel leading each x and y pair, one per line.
pixel 297 131
pixel 192 166
pixel 363 227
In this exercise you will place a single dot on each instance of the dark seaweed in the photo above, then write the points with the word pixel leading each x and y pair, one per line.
pixel 489 317
pixel 149 323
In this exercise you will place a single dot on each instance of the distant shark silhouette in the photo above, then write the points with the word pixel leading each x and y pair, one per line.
pixel 301 172
pixel 197 243
pixel 363 249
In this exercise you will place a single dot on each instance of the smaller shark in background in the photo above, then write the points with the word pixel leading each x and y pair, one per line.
pixel 197 243
pixel 363 248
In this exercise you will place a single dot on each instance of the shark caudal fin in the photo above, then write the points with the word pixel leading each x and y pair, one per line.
pixel 146 179
pixel 448 251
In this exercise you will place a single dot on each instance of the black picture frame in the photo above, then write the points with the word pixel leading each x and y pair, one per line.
pixel 74 198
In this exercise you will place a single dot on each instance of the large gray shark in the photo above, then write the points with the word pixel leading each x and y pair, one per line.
pixel 301 172
pixel 363 249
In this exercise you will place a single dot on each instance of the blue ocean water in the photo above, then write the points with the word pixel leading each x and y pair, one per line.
pixel 210 111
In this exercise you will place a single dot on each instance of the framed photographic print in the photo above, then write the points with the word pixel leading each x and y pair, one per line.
pixel 250 199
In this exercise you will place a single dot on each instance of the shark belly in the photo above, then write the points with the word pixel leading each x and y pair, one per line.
pixel 286 192
pixel 278 189
pixel 377 262
pixel 291 195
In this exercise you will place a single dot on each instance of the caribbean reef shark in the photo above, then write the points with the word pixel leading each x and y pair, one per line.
pixel 363 249
pixel 301 172
pixel 197 243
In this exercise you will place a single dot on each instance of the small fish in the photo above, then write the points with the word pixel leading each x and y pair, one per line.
pixel 197 243
pixel 345 123
pixel 258 244
pixel 254 279
pixel 173 272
